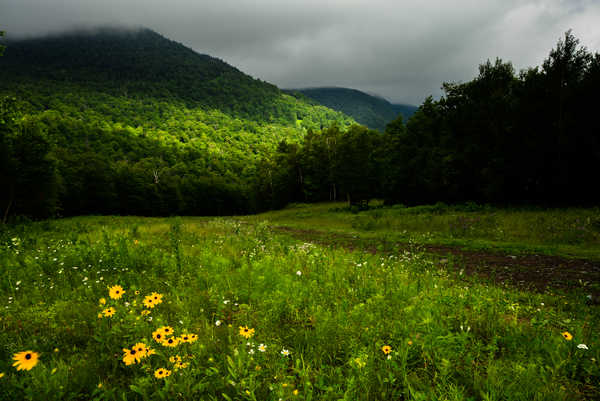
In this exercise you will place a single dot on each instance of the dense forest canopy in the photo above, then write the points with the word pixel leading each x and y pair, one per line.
pixel 371 111
pixel 127 122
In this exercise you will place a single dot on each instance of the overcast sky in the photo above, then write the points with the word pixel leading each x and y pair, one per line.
pixel 402 50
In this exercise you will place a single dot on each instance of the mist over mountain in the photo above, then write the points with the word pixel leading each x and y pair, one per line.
pixel 371 110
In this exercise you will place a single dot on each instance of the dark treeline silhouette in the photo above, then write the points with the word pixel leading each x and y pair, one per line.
pixel 502 138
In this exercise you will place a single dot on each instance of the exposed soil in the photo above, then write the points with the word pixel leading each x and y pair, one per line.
pixel 531 272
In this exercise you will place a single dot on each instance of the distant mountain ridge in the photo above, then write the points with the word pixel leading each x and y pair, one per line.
pixel 371 110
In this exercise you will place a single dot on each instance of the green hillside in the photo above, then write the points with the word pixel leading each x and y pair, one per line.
pixel 372 111
pixel 128 121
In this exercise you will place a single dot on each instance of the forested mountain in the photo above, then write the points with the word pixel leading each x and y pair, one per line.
pixel 371 111
pixel 127 121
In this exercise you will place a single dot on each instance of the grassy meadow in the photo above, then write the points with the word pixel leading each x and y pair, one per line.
pixel 254 314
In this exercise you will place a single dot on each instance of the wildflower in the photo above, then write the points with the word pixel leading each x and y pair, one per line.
pixel 184 338
pixel 145 312
pixel 285 352
pixel 53 371
pixel 410 342
pixel 193 338
pixel 99 385
pixel 181 365
pixel 56 350
pixel 568 336
pixel 166 330
pixel 100 315
pixel 298 273
pixel 158 335
pixel 386 349
pixel 170 342
pixel 582 346
pixel 251 351
pixel 142 349
pixel 150 351
pixel 218 323
pixel 137 292
pixel 162 373
pixel 262 348
pixel 246 332
pixel 295 392
pixel 25 360
pixel 148 302
pixel 1 375
pixel 130 356
pixel 156 298
pixel 175 359
pixel 109 312
pixel 116 292
pixel 102 301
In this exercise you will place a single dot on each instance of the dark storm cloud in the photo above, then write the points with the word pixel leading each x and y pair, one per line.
pixel 402 50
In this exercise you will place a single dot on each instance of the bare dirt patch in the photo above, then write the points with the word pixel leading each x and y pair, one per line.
pixel 531 272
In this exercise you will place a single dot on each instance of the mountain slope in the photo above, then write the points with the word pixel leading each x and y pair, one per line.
pixel 135 123
pixel 372 111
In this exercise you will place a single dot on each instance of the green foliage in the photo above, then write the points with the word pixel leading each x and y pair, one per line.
pixel 371 111
pixel 449 338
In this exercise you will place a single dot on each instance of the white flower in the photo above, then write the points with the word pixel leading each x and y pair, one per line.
pixel 298 273
pixel 218 323
pixel 18 283
pixel 226 301
pixel 582 346
pixel 285 352
pixel 251 351
pixel 262 348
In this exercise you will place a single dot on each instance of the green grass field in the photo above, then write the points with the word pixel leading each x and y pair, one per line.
pixel 319 318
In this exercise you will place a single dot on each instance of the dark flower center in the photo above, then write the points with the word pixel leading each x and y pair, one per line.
pixel 185 338
pixel 160 372
pixel 155 297
pixel 170 341
pixel 117 291
pixel 140 349
pixel 158 336
pixel 132 352
pixel 28 356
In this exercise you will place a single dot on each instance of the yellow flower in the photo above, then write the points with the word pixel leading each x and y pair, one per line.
pixel 141 349
pixel 137 292
pixel 175 359
pixel 25 360
pixel 386 349
pixel 568 336
pixel 149 302
pixel 109 312
pixel 193 338
pixel 295 392
pixel 56 350
pixel 161 373
pixel 102 301
pixel 409 342
pixel 156 298
pixel 187 338
pixel 150 351
pixel 181 365
pixel 145 312
pixel 99 385
pixel 170 342
pixel 1 375
pixel 131 356
pixel 116 291
pixel 166 330
pixel 100 315
pixel 158 335
pixel 246 332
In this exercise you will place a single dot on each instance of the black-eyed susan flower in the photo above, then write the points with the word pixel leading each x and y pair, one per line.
pixel 170 342
pixel 166 330
pixel 246 332
pixel 100 315
pixel 116 292
pixel 137 292
pixel 193 338
pixel 567 336
pixel 181 365
pixel 145 312
pixel 131 356
pixel 25 360
pixel 149 302
pixel 141 349
pixel 1 375
pixel 156 298
pixel 102 301
pixel 386 349
pixel 186 338
pixel 109 312
pixel 162 373
pixel 158 335
pixel 150 351
pixel 175 359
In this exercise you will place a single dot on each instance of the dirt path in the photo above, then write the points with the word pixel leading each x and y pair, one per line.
pixel 532 272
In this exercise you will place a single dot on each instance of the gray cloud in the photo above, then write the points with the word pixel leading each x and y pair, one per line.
pixel 402 50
